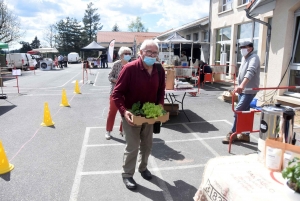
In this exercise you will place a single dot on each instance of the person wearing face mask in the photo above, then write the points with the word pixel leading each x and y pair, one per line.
pixel 125 56
pixel 248 77
pixel 140 80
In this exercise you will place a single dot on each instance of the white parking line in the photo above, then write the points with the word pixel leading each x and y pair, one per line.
pixel 80 81
pixel 77 179
pixel 79 171
pixel 96 79
pixel 161 182
pixel 202 141
pixel 183 167
pixel 167 142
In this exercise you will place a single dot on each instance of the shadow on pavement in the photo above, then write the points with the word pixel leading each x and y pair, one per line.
pixel 178 192
pixel 203 127
pixel 118 140
pixel 251 145
pixel 181 118
pixel 5 176
pixel 163 152
pixel 4 109
pixel 216 86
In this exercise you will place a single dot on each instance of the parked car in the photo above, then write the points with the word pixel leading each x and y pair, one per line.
pixel 73 57
pixel 19 61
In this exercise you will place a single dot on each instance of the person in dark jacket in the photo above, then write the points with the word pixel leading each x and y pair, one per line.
pixel 139 80
pixel 104 60
pixel 65 61
pixel 203 68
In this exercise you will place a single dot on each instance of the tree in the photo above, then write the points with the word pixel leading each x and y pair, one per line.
pixel 137 26
pixel 35 43
pixel 116 28
pixel 91 23
pixel 69 34
pixel 25 47
pixel 50 35
pixel 9 25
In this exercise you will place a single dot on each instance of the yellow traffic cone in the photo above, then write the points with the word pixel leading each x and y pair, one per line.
pixel 64 99
pixel 77 90
pixel 47 116
pixel 5 166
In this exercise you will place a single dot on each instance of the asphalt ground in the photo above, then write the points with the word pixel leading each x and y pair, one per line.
pixel 72 160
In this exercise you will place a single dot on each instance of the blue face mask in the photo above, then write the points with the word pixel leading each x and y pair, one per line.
pixel 149 60
pixel 127 57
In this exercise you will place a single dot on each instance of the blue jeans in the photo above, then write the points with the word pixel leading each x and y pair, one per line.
pixel 243 105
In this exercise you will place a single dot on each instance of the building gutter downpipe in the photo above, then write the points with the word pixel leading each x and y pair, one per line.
pixel 267 47
pixel 209 29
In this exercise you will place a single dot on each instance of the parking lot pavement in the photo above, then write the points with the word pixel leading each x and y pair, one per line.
pixel 73 161
pixel 178 158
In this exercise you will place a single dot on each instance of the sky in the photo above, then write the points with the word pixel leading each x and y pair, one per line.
pixel 156 15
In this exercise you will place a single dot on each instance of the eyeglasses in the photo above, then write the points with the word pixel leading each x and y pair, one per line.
pixel 127 53
pixel 150 53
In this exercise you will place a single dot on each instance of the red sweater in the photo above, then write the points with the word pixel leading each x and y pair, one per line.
pixel 136 84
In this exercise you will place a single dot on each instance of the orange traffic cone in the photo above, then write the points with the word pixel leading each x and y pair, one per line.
pixel 77 89
pixel 64 99
pixel 47 116
pixel 5 166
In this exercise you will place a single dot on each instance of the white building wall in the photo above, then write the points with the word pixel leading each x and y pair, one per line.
pixel 230 18
pixel 281 42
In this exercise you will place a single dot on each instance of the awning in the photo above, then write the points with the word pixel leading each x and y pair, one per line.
pixel 33 52
pixel 257 7
pixel 3 45
pixel 176 38
pixel 45 50
pixel 93 46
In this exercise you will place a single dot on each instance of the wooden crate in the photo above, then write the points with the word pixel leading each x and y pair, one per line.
pixel 172 110
pixel 138 120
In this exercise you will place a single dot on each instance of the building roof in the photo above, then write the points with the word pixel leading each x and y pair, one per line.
pixel 257 7
pixel 140 38
pixel 124 37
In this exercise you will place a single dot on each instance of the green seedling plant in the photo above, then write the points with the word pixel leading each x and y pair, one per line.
pixel 292 174
pixel 148 110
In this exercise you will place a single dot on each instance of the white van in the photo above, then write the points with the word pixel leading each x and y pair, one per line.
pixel 19 61
pixel 73 57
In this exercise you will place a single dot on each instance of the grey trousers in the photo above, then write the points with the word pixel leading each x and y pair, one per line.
pixel 138 141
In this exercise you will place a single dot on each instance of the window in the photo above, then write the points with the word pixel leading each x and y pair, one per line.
pixel 295 62
pixel 247 32
pixel 205 36
pixel 195 37
pixel 226 5
pixel 223 39
pixel 188 37
pixel 241 2
pixel 296 49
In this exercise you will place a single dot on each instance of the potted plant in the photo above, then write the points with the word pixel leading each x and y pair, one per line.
pixel 292 174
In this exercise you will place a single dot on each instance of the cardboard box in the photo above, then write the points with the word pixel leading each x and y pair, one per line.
pixel 138 120
pixel 228 97
pixel 170 77
pixel 172 110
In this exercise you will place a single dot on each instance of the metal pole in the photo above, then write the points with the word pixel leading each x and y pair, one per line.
pixel 267 47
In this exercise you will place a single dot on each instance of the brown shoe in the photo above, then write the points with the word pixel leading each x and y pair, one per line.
pixel 243 138
pixel 227 138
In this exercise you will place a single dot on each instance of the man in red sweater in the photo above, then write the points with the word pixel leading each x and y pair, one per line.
pixel 141 81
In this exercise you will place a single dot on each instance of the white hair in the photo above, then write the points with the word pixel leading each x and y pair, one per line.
pixel 124 49
pixel 148 42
